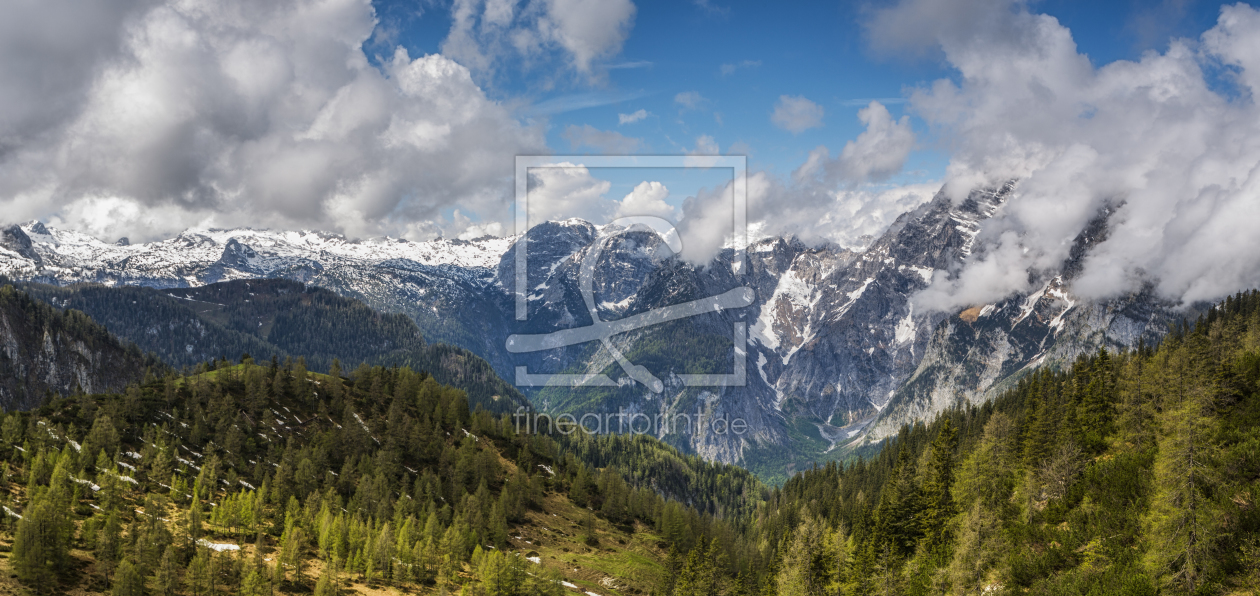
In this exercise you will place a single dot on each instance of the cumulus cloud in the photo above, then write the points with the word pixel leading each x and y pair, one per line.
pixel 689 99
pixel 796 114
pixel 242 113
pixel 567 190
pixel 632 117
pixel 1173 157
pixel 844 201
pixel 706 225
pixel 647 198
pixel 813 213
pixel 485 33
pixel 875 155
pixel 606 141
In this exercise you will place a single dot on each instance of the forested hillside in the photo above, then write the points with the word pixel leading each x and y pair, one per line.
pixel 44 351
pixel 261 317
pixel 1129 473
pixel 277 318
pixel 260 479
pixel 1134 473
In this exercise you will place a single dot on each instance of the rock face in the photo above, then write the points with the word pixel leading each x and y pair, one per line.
pixel 836 356
pixel 982 350
pixel 44 350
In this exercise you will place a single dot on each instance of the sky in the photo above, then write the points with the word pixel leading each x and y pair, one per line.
pixel 142 118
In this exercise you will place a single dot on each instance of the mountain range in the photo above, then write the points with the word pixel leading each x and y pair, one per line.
pixel 837 356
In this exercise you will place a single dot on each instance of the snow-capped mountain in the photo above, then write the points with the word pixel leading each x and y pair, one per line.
pixel 207 256
pixel 836 355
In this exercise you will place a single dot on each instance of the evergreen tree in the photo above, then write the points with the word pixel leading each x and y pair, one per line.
pixel 109 544
pixel 1184 523
pixel 166 579
pixel 41 547
pixel 326 586
pixel 811 561
pixel 198 579
pixel 194 519
pixel 127 580
pixel 255 582
pixel 937 501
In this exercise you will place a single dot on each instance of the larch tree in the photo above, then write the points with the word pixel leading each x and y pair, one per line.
pixel 1184 523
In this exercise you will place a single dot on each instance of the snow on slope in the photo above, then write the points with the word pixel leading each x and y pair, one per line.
pixel 183 260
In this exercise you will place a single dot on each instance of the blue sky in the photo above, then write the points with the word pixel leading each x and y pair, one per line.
pixel 740 57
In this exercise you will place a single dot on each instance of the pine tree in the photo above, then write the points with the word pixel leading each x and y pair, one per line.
pixel 1040 423
pixel 291 545
pixel 109 544
pixel 166 579
pixel 811 560
pixel 198 577
pixel 1096 410
pixel 937 501
pixel 1184 521
pixel 128 580
pixel 896 524
pixel 326 586
pixel 255 582
pixel 194 519
pixel 500 575
pixel 41 547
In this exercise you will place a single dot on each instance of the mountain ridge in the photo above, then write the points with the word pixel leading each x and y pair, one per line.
pixel 833 336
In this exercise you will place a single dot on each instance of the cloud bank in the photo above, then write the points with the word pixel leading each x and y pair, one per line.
pixel 844 200
pixel 178 114
pixel 1173 152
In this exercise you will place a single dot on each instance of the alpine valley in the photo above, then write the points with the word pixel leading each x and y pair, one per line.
pixel 837 357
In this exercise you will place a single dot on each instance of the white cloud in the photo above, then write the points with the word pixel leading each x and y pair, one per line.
pixel 36 93
pixel 632 117
pixel 711 8
pixel 647 198
pixel 689 99
pixel 826 200
pixel 812 210
pixel 1150 139
pixel 706 224
pixel 796 114
pixel 485 33
pixel 590 29
pixel 607 141
pixel 633 64
pixel 565 191
pixel 730 67
pixel 242 113
pixel 878 153
pixel 705 145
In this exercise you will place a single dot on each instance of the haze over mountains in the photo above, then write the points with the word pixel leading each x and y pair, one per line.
pixel 838 357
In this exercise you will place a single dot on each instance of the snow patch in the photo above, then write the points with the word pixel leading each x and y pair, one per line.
pixel 217 546
pixel 905 331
